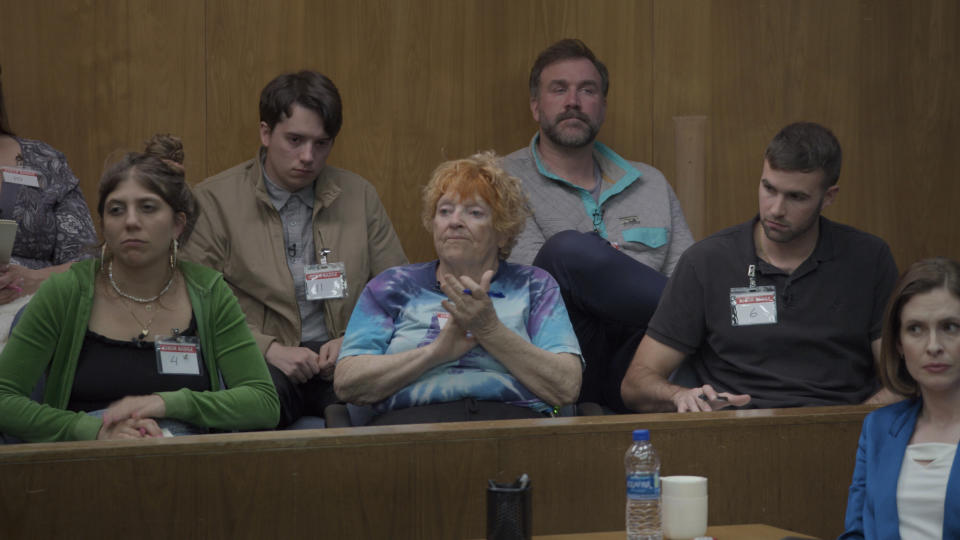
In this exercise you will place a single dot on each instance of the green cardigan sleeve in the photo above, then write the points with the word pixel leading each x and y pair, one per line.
pixel 250 400
pixel 40 340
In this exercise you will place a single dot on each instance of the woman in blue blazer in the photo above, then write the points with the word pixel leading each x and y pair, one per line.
pixel 907 478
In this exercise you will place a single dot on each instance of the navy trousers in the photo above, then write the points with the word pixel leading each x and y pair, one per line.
pixel 611 298
pixel 296 400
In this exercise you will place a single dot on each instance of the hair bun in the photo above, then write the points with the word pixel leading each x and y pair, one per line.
pixel 168 148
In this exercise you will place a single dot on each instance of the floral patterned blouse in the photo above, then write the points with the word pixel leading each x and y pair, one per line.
pixel 54 224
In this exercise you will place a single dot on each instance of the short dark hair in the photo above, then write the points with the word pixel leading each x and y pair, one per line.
pixel 159 168
pixel 4 121
pixel 566 49
pixel 806 147
pixel 923 276
pixel 307 88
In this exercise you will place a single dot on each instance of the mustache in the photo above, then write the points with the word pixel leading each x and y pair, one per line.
pixel 573 114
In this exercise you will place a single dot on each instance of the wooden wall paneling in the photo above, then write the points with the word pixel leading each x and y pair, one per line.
pixel 773 63
pixel 247 44
pixel 378 483
pixel 427 481
pixel 809 454
pixel 450 487
pixel 165 70
pixel 232 490
pixel 690 176
pixel 571 501
pixel 682 58
pixel 95 79
pixel 48 54
pixel 910 121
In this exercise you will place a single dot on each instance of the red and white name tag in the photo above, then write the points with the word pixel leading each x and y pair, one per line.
pixel 178 356
pixel 325 281
pixel 442 319
pixel 22 176
pixel 757 305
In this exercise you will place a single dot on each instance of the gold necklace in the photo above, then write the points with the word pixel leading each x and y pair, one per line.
pixel 142 336
pixel 145 327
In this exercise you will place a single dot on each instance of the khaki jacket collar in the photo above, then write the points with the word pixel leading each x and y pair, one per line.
pixel 326 189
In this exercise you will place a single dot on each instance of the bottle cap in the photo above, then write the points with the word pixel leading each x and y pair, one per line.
pixel 641 435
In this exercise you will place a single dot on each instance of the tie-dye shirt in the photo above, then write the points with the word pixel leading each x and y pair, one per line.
pixel 400 310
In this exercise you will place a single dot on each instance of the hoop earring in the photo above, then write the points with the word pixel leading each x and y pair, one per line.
pixel 174 246
pixel 103 257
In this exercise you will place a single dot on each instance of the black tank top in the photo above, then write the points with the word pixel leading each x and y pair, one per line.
pixel 109 369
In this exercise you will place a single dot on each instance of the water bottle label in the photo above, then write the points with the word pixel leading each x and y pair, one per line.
pixel 643 487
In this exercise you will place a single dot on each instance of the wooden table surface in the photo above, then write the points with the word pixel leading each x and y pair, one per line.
pixel 753 531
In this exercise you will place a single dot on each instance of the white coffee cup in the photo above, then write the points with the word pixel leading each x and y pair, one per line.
pixel 683 506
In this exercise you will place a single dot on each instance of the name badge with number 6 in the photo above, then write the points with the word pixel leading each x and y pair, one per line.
pixel 757 305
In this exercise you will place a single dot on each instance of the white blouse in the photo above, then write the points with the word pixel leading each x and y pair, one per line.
pixel 922 489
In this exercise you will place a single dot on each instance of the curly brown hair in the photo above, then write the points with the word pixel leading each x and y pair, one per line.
pixel 158 168
pixel 480 175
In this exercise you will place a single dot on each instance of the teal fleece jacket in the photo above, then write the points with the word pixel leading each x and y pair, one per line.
pixel 50 334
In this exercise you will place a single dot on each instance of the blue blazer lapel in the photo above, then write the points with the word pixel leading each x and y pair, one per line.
pixel 951 507
pixel 889 464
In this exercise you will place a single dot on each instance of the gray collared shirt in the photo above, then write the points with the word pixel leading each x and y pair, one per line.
pixel 296 214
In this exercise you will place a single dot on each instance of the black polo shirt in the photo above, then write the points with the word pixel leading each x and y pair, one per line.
pixel 829 311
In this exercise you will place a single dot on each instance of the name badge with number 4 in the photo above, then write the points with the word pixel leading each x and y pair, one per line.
pixel 757 305
pixel 178 356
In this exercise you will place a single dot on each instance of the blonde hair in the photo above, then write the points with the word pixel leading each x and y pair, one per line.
pixel 480 175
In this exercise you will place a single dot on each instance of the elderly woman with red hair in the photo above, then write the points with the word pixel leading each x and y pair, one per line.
pixel 467 336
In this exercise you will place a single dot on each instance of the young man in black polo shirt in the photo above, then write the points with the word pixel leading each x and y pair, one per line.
pixel 784 310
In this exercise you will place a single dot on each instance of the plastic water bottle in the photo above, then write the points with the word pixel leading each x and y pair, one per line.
pixel 643 489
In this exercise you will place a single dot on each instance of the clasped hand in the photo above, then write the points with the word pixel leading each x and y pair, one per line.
pixel 301 364
pixel 468 303
pixel 133 417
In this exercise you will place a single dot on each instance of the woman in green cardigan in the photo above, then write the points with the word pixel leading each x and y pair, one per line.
pixel 145 340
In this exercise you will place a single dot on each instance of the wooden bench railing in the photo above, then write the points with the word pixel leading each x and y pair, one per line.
pixel 789 468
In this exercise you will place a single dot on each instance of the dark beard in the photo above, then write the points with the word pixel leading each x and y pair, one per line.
pixel 577 139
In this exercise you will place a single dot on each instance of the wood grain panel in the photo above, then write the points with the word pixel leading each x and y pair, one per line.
pixel 910 120
pixel 682 87
pixel 877 72
pixel 97 78
pixel 768 466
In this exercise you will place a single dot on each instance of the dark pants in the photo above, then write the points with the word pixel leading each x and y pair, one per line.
pixel 611 298
pixel 307 399
pixel 464 410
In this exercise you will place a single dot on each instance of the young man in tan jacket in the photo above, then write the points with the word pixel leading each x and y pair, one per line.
pixel 296 239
